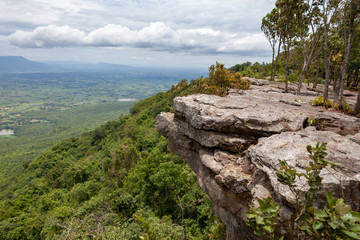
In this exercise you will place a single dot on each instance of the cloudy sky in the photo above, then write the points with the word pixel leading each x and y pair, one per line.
pixel 136 32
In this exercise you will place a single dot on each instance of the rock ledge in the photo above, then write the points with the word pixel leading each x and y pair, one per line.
pixel 233 144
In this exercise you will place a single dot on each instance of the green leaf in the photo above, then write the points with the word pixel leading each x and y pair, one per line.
pixel 342 208
pixel 356 216
pixel 318 225
pixel 259 220
pixel 268 229
pixel 346 217
pixel 267 202
pixel 355 228
pixel 250 215
pixel 261 203
pixel 333 225
pixel 320 213
pixel 309 148
pixel 303 226
pixel 351 234
pixel 331 200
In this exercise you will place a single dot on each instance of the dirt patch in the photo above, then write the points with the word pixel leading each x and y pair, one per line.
pixel 4 132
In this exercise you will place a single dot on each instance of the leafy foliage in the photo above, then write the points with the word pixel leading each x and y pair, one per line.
pixel 219 82
pixel 335 221
pixel 118 181
pixel 45 108
pixel 264 218
pixel 344 107
pixel 321 101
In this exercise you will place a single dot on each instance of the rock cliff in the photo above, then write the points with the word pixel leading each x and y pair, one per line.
pixel 233 144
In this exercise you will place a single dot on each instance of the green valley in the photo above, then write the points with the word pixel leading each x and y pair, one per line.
pixel 36 130
pixel 39 109
pixel 118 181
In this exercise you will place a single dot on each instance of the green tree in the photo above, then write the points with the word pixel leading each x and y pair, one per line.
pixel 309 19
pixel 269 27
pixel 287 25
pixel 328 12
pixel 351 13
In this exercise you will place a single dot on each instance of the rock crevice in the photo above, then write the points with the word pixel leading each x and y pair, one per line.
pixel 233 144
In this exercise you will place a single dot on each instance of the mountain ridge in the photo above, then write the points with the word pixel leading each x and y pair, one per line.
pixel 20 64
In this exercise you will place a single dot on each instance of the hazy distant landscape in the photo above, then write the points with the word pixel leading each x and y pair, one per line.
pixel 38 108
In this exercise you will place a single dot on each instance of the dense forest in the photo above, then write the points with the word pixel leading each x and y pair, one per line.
pixel 41 109
pixel 37 130
pixel 117 182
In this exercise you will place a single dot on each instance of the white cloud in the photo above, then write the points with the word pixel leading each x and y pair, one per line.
pixel 44 12
pixel 156 36
pixel 49 36
pixel 181 30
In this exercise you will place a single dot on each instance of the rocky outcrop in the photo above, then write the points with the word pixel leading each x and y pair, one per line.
pixel 233 144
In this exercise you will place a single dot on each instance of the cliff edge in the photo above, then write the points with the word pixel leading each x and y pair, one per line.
pixel 233 144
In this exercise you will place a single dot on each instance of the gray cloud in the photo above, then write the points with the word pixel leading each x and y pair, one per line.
pixel 178 28
pixel 157 36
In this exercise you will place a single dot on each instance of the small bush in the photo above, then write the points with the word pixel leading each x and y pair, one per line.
pixel 294 77
pixel 345 107
pixel 220 81
pixel 320 101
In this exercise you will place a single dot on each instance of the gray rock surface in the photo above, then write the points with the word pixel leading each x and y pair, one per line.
pixel 291 146
pixel 255 81
pixel 233 144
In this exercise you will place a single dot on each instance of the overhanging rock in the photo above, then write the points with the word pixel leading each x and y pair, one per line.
pixel 233 144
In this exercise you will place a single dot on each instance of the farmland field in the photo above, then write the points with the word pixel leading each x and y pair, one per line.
pixel 39 109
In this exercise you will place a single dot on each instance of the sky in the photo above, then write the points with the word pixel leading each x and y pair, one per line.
pixel 174 33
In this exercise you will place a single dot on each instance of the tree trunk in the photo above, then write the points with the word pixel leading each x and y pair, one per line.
pixel 272 63
pixel 327 68
pixel 345 64
pixel 335 84
pixel 357 106
pixel 301 79
pixel 286 69
pixel 277 57
pixel 303 72
pixel 348 46
pixel 316 75
pixel 309 59
pixel 182 218
pixel 326 58
pixel 356 79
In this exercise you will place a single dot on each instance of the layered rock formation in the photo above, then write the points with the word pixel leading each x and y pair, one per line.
pixel 233 144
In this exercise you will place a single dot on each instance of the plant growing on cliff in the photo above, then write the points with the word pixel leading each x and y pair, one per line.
pixel 321 101
pixel 264 218
pixel 220 81
pixel 344 107
pixel 335 220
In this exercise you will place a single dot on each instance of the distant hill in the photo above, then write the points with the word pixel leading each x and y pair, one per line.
pixel 17 64
pixel 91 67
